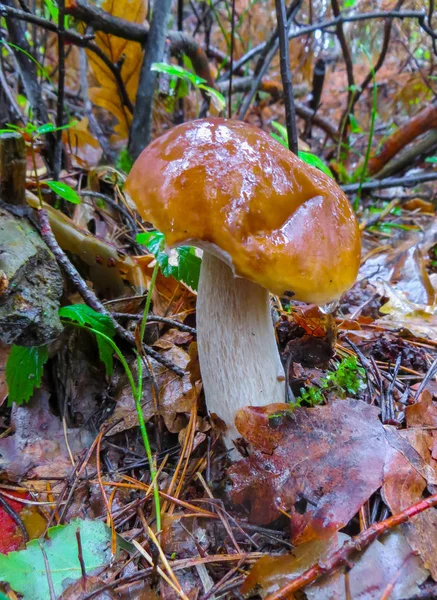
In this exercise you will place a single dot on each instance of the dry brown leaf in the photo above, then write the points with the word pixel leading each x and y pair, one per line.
pixel 318 464
pixel 176 397
pixel 83 149
pixel 106 94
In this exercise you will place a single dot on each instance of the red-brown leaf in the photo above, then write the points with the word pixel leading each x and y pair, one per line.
pixel 324 463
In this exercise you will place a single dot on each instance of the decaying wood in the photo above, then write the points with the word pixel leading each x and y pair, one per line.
pixel 30 281
pixel 424 121
pixel 12 169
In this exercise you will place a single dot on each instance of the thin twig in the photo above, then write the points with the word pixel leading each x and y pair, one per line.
pixel 407 14
pixel 390 182
pixel 342 556
pixel 287 85
pixel 155 319
pixel 141 132
pixel 48 572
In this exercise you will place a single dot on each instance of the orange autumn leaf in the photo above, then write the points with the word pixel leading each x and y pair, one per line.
pixel 127 53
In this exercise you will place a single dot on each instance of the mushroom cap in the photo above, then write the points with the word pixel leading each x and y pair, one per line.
pixel 231 189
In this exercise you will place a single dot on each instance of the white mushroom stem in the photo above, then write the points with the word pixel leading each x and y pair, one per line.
pixel 238 354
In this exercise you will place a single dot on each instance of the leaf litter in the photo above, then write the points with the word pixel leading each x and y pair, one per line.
pixel 305 474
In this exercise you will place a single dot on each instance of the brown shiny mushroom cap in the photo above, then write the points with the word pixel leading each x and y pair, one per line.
pixel 230 188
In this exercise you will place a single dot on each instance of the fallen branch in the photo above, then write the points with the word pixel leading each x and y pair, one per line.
pixel 343 555
pixel 425 120
pixel 100 20
pixel 390 182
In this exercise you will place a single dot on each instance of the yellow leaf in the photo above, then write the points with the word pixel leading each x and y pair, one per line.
pixel 130 54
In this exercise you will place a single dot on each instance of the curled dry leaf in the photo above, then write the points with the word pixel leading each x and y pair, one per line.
pixel 387 561
pixel 318 464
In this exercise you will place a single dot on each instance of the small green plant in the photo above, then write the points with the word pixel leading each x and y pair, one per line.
pixel 25 366
pixel 308 157
pixel 187 267
pixel 198 83
pixel 347 379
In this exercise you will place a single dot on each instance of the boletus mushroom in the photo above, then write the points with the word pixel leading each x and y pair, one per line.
pixel 266 221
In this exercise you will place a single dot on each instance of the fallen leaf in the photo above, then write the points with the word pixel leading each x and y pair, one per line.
pixel 37 447
pixel 323 464
pixel 176 397
pixel 83 149
pixel 405 480
pixel 26 573
pixel 387 560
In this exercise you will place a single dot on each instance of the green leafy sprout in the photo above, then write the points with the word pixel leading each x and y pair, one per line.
pixel 31 131
pixel 347 380
pixel 187 267
pixel 183 74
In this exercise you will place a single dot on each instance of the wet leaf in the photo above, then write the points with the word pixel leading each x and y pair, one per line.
pixel 317 464
pixel 64 191
pixel 406 475
pixel 84 315
pixel 37 447
pixel 387 560
pixel 176 396
pixel 25 571
pixel 24 371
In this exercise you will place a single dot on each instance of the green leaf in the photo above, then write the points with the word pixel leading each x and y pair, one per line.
pixel 49 127
pixel 189 266
pixel 25 571
pixel 279 139
pixel 281 130
pixel 355 128
pixel 217 98
pixel 53 9
pixel 24 371
pixel 153 240
pixel 177 71
pixel 46 128
pixel 349 3
pixel 315 161
pixel 64 191
pixel 84 315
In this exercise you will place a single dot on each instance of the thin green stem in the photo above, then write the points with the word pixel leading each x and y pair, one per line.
pixel 138 394
pixel 148 301
pixel 137 391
